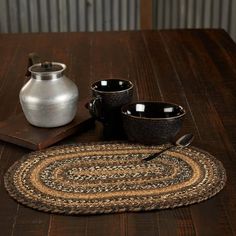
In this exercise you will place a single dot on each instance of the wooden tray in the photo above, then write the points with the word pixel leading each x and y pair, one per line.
pixel 18 131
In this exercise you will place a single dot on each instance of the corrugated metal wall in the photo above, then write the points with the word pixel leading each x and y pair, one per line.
pixel 100 15
pixel 68 15
pixel 195 14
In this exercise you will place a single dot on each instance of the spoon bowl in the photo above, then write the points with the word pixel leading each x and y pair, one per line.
pixel 182 142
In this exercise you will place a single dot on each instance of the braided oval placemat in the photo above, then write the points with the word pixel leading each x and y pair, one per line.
pixel 106 178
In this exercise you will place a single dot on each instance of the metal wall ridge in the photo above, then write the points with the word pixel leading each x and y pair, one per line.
pixel 105 15
pixel 173 14
pixel 68 15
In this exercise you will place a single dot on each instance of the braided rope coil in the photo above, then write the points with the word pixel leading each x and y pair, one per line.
pixel 110 177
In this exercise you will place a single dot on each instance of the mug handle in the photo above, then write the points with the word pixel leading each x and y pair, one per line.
pixel 95 106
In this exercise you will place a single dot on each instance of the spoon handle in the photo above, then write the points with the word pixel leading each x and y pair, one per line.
pixel 156 154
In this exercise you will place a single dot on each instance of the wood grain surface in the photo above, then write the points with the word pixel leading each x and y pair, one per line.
pixel 194 68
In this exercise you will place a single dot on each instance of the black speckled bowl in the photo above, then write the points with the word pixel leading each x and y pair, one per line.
pixel 152 122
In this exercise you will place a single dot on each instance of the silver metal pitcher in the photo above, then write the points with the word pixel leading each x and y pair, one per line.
pixel 49 99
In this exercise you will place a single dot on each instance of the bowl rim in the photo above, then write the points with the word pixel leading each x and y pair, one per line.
pixel 118 91
pixel 153 118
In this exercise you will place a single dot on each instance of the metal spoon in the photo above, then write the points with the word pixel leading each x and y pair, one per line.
pixel 183 141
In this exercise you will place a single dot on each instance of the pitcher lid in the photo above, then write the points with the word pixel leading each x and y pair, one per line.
pixel 47 67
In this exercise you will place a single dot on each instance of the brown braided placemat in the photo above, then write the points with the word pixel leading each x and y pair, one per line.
pixel 105 178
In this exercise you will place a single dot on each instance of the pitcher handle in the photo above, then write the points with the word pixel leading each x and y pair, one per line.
pixel 33 58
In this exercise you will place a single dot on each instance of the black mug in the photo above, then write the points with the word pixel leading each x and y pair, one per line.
pixel 109 96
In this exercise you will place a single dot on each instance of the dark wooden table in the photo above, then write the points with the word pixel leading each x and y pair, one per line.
pixel 194 68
